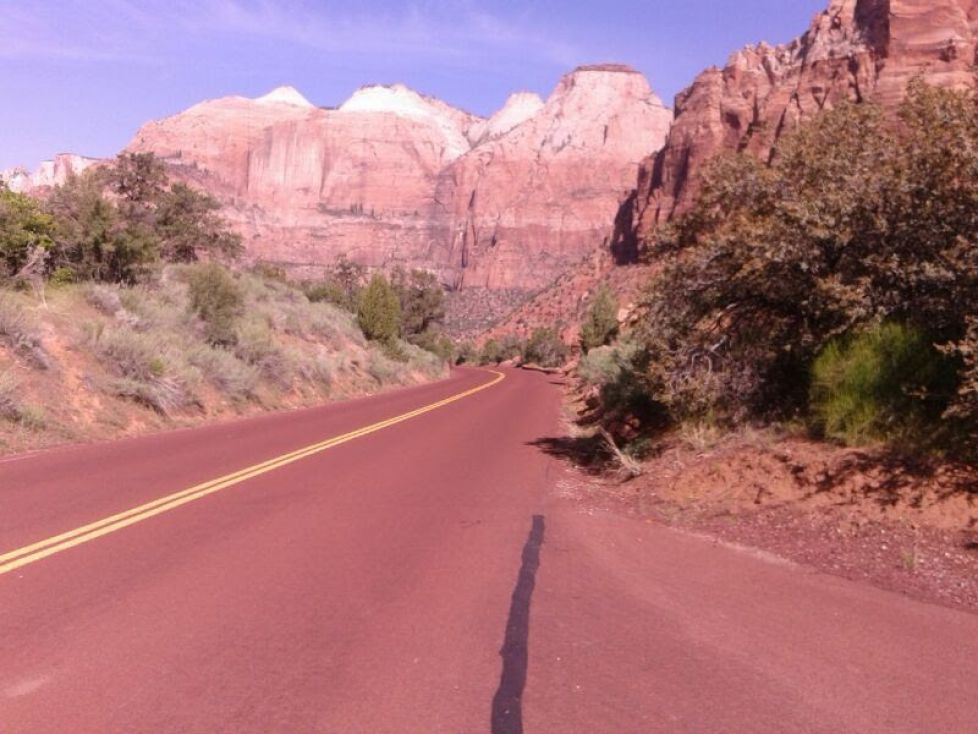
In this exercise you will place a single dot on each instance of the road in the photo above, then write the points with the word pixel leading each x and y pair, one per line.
pixel 423 576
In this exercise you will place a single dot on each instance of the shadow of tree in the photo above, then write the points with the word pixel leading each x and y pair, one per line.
pixel 589 453
pixel 891 478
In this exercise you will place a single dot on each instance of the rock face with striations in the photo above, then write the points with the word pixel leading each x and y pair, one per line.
pixel 54 172
pixel 392 177
pixel 543 195
pixel 856 50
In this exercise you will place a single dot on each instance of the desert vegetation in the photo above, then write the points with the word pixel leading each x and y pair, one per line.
pixel 543 348
pixel 122 306
pixel 832 287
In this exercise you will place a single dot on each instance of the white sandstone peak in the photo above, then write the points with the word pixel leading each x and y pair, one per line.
pixel 402 101
pixel 396 98
pixel 285 95
pixel 519 108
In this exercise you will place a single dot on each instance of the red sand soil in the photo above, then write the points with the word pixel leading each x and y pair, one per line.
pixel 911 528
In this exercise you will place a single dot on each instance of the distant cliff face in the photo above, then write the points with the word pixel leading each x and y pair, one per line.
pixel 49 174
pixel 544 195
pixel 856 50
pixel 395 178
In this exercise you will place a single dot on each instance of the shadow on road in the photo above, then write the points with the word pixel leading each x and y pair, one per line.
pixel 507 704
pixel 589 453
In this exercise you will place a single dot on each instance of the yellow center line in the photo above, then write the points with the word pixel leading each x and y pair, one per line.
pixel 21 557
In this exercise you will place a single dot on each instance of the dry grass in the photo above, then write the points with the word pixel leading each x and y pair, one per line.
pixel 132 359
pixel 627 466
pixel 20 330
pixel 9 401
pixel 12 406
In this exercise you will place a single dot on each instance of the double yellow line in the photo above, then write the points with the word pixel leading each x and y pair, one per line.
pixel 21 557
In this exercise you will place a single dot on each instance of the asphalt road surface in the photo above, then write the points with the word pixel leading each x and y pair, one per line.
pixel 403 564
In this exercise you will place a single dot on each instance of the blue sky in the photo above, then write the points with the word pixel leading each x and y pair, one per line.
pixel 82 75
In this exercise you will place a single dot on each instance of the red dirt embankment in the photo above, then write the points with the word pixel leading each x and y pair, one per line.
pixel 909 526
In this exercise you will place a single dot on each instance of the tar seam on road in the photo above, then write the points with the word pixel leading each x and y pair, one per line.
pixel 21 557
pixel 507 704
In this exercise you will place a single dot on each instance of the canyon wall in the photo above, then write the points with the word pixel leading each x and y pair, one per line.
pixel 859 50
pixel 392 177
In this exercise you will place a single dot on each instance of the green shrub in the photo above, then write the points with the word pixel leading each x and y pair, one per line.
pixel 117 222
pixel 382 368
pixel 379 311
pixel 422 302
pixel 105 298
pixel 600 325
pixel 332 324
pixel 225 371
pixel 852 220
pixel 545 348
pixel 63 275
pixel 341 286
pixel 424 361
pixel 318 370
pixel 328 292
pixel 436 343
pixel 887 383
pixel 32 418
pixel 216 298
pixel 148 369
pixel 491 352
pixel 604 365
pixel 256 345
pixel 466 353
pixel 499 350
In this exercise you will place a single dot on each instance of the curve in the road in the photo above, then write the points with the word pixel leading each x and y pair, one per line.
pixel 20 557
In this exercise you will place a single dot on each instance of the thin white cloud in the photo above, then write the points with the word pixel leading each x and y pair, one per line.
pixel 454 30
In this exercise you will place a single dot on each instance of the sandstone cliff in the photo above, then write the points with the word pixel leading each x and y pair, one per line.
pixel 856 50
pixel 392 177
pixel 542 196
pixel 49 174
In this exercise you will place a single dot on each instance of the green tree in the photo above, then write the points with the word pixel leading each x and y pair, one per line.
pixel 138 178
pixel 24 226
pixel 600 325
pixel 379 311
pixel 187 225
pixel 857 220
pixel 113 223
pixel 93 238
pixel 422 301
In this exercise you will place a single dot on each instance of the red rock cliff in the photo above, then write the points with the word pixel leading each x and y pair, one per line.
pixel 395 178
pixel 543 196
pixel 855 50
